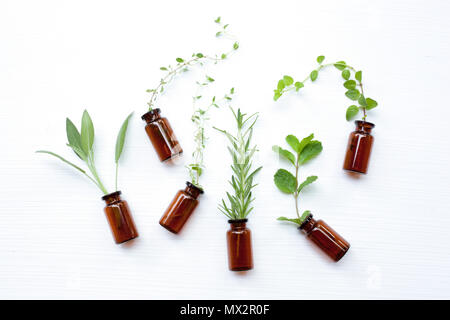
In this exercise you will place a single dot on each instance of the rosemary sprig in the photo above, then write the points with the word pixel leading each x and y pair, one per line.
pixel 239 206
pixel 183 65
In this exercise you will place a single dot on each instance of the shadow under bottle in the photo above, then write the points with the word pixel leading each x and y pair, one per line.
pixel 161 135
pixel 119 218
pixel 239 241
pixel 325 238
pixel 359 147
pixel 181 208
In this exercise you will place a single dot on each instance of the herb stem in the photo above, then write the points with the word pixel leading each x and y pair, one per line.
pixel 91 165
pixel 117 173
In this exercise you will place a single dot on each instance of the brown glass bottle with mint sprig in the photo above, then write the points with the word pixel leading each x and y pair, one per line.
pixel 161 135
pixel 359 147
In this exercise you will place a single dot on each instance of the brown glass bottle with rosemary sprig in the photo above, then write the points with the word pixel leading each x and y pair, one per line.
pixel 117 211
pixel 239 242
pixel 317 231
pixel 360 142
pixel 158 128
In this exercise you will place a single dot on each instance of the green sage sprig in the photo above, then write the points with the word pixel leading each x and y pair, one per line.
pixel 200 118
pixel 83 146
pixel 239 204
pixel 288 182
pixel 183 64
pixel 355 91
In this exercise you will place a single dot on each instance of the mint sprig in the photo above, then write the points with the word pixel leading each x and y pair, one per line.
pixel 289 183
pixel 355 91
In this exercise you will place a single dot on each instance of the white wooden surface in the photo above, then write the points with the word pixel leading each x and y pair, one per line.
pixel 58 57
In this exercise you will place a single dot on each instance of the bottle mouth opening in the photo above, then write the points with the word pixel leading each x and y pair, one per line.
pixel 306 221
pixel 150 114
pixel 113 194
pixel 237 221
pixel 365 124
pixel 191 185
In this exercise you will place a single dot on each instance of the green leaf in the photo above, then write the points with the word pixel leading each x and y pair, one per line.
pixel 362 101
pixel 305 142
pixel 179 60
pixel 353 94
pixel 311 150
pixel 235 46
pixel 320 59
pixel 74 139
pixel 281 85
pixel 352 111
pixel 217 20
pixel 277 95
pixel 87 133
pixel 346 74
pixel 199 55
pixel 285 181
pixel 121 138
pixel 285 153
pixel 308 181
pixel 341 65
pixel 350 84
pixel 371 103
pixel 305 215
pixel 163 68
pixel 314 75
pixel 62 159
pixel 288 80
pixel 298 85
pixel 296 221
pixel 209 79
pixel 293 142
pixel 358 76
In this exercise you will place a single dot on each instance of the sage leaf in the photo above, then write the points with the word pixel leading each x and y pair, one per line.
pixel 310 151
pixel 353 94
pixel 308 181
pixel 350 84
pixel 358 76
pixel 352 111
pixel 74 139
pixel 293 142
pixel 285 181
pixel 288 80
pixel 371 103
pixel 62 159
pixel 346 74
pixel 120 141
pixel 285 153
pixel 296 221
pixel 87 133
pixel 314 75
pixel 320 59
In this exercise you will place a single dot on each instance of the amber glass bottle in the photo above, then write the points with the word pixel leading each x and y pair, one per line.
pixel 325 238
pixel 240 256
pixel 161 135
pixel 119 218
pixel 359 147
pixel 181 208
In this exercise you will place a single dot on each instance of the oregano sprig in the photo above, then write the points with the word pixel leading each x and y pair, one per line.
pixel 183 64
pixel 355 91
pixel 288 182
pixel 83 146
pixel 239 204
pixel 200 118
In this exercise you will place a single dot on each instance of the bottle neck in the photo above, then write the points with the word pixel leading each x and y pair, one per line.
pixel 308 224
pixel 363 126
pixel 152 116
pixel 112 197
pixel 238 224
pixel 193 190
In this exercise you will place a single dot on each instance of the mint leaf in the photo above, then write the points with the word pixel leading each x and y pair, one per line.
pixel 308 181
pixel 352 111
pixel 285 153
pixel 285 181
pixel 311 150
pixel 293 142
pixel 305 215
pixel 371 103
pixel 305 142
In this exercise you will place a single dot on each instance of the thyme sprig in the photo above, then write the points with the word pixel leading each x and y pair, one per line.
pixel 353 93
pixel 239 204
pixel 183 64
pixel 200 118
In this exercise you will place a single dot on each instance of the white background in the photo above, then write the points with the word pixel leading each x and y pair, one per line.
pixel 59 57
